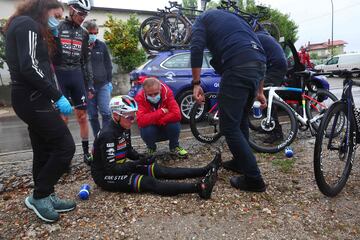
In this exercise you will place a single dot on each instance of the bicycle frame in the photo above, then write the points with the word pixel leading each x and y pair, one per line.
pixel 302 119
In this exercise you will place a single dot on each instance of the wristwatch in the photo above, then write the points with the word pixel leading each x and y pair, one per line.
pixel 196 82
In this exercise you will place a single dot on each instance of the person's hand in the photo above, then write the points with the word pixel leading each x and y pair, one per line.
pixel 198 94
pixel 110 87
pixel 63 105
pixel 262 99
pixel 165 110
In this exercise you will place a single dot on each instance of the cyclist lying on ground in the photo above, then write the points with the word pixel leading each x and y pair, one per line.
pixel 118 167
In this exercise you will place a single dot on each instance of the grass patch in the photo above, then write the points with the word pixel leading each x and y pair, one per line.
pixel 285 165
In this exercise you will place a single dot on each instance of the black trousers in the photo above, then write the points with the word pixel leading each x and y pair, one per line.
pixel 52 143
pixel 145 179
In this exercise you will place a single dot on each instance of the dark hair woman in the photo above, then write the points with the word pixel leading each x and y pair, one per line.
pixel 32 94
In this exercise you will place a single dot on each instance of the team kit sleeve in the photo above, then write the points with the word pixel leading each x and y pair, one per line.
pixel 144 115
pixel 174 114
pixel 27 38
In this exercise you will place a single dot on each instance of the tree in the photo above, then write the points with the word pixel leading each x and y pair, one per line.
pixel 2 43
pixel 189 4
pixel 287 27
pixel 122 39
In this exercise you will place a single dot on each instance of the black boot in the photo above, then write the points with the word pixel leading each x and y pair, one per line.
pixel 232 166
pixel 244 183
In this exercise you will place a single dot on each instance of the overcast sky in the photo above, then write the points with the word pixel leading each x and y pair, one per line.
pixel 312 16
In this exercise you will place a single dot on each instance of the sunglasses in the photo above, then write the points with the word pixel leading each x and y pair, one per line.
pixel 128 117
pixel 80 13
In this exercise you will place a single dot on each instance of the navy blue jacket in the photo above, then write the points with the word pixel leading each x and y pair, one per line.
pixel 101 64
pixel 275 56
pixel 229 38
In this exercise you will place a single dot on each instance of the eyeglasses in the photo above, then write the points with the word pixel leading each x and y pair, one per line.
pixel 80 13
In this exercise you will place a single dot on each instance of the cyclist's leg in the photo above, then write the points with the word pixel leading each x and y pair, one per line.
pixel 157 171
pixel 140 183
pixel 79 99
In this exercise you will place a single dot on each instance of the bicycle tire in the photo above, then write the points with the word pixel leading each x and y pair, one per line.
pixel 259 133
pixel 168 31
pixel 200 127
pixel 148 34
pixel 271 28
pixel 332 180
pixel 314 108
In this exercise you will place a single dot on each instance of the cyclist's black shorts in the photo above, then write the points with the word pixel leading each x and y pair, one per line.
pixel 127 183
pixel 73 87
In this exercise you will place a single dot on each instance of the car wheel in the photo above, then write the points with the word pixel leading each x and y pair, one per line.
pixel 186 101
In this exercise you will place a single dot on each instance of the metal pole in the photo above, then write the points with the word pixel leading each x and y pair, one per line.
pixel 332 28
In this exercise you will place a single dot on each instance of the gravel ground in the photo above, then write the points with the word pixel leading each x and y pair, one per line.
pixel 291 208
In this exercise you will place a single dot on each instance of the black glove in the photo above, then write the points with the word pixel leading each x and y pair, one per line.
pixel 145 159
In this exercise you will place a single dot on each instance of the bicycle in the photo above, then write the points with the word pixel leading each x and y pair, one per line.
pixel 335 144
pixel 314 104
pixel 254 20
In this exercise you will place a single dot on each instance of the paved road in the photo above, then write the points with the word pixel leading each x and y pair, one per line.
pixel 14 135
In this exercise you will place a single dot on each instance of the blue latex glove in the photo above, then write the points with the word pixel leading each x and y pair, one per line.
pixel 64 106
pixel 55 32
pixel 110 87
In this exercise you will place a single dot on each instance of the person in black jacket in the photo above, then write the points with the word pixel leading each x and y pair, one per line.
pixel 102 71
pixel 73 66
pixel 238 55
pixel 118 167
pixel 33 93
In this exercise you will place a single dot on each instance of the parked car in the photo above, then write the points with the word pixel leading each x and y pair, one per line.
pixel 349 61
pixel 173 68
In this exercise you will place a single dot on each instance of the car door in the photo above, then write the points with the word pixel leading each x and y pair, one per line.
pixel 332 64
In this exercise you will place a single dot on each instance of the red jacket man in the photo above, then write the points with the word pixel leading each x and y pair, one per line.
pixel 159 116
pixel 304 57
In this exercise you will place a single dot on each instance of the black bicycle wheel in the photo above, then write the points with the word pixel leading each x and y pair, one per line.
pixel 334 152
pixel 275 135
pixel 205 126
pixel 317 104
pixel 148 34
pixel 271 28
pixel 174 30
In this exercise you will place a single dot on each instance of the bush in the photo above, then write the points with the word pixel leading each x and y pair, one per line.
pixel 122 39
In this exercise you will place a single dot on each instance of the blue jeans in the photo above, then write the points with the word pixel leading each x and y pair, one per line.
pixel 153 134
pixel 99 103
pixel 238 87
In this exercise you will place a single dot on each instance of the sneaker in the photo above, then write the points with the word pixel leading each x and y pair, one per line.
pixel 61 205
pixel 179 151
pixel 206 184
pixel 215 163
pixel 248 184
pixel 231 166
pixel 43 208
pixel 88 158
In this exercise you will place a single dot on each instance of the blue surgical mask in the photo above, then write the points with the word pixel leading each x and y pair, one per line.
pixel 155 99
pixel 92 38
pixel 53 23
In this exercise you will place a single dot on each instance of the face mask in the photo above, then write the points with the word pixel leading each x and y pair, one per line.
pixel 53 23
pixel 92 38
pixel 155 99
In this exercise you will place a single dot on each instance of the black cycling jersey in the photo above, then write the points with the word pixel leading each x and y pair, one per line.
pixel 118 167
pixel 28 59
pixel 73 51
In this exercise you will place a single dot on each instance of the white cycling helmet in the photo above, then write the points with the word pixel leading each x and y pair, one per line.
pixel 123 104
pixel 82 4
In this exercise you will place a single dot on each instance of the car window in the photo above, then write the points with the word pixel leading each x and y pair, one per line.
pixel 206 60
pixel 333 60
pixel 178 61
pixel 289 56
